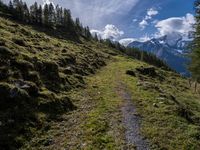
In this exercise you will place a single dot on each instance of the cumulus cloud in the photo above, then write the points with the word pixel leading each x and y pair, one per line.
pixel 181 25
pixel 150 13
pixel 110 31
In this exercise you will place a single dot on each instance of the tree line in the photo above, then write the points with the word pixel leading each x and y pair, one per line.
pixel 48 15
pixel 138 54
pixel 56 17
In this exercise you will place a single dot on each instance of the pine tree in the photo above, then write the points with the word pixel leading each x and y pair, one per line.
pixel 195 55
pixel 33 13
pixel 39 15
pixel 26 14
pixel 68 23
pixel 51 15
pixel 46 15
pixel 11 8
pixel 96 37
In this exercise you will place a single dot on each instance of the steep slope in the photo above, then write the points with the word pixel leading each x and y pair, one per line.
pixel 35 72
pixel 171 48
pixel 62 94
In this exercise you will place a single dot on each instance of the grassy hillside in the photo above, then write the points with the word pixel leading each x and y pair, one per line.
pixel 35 72
pixel 61 94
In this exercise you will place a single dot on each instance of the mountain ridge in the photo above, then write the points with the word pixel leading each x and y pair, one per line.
pixel 173 49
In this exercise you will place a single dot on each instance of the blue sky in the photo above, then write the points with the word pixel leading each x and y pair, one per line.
pixel 166 9
pixel 130 18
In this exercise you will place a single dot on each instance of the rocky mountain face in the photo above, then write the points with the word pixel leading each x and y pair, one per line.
pixel 171 48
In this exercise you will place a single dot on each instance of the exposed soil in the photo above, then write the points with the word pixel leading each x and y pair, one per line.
pixel 131 121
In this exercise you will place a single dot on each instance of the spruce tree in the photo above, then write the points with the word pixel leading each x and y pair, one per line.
pixel 33 13
pixel 46 15
pixel 51 15
pixel 39 15
pixel 26 13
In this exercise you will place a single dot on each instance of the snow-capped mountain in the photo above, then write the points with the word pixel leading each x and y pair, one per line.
pixel 171 48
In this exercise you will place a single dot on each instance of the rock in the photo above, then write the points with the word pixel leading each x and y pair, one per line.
pixel 19 42
pixel 151 71
pixel 33 76
pixel 11 96
pixel 131 73
pixel 5 52
pixel 30 87
pixel 2 43
pixel 22 64
pixel 67 60
pixel 68 70
pixel 80 78
pixel 48 142
pixel 4 73
pixel 64 51
pixel 155 105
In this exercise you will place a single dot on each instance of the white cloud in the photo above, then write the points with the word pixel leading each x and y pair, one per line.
pixel 127 41
pixel 135 20
pixel 94 13
pixel 180 25
pixel 109 32
pixel 143 24
pixel 150 13
pixel 97 13
pixel 48 2
pixel 144 38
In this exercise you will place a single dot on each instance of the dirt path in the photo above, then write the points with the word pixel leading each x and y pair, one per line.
pixel 131 121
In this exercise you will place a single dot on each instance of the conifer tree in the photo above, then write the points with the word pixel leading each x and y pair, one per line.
pixel 46 15
pixel 51 15
pixel 11 8
pixel 26 14
pixel 39 15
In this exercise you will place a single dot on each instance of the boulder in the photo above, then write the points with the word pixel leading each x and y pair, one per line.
pixel 131 73
pixel 67 60
pixel 68 71
pixel 151 71
pixel 11 95
pixel 6 52
pixel 19 42
pixel 29 87
pixel 22 65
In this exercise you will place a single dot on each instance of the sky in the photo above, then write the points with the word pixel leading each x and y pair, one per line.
pixel 131 19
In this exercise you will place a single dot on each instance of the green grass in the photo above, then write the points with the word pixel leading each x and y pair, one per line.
pixel 99 120
pixel 169 109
